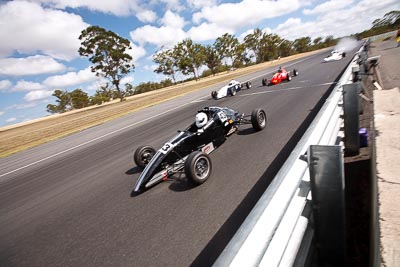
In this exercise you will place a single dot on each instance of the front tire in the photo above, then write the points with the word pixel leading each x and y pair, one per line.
pixel 295 72
pixel 143 155
pixel 258 119
pixel 198 167
pixel 248 85
pixel 214 94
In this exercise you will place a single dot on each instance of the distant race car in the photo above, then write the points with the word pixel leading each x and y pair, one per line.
pixel 187 152
pixel 335 55
pixel 281 75
pixel 230 89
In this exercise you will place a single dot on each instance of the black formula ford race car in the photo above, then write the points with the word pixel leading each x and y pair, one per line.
pixel 188 151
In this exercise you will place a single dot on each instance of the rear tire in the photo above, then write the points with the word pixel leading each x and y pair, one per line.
pixel 264 82
pixel 143 155
pixel 258 119
pixel 198 167
pixel 232 91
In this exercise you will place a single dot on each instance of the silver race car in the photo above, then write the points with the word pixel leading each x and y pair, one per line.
pixel 335 55
pixel 230 89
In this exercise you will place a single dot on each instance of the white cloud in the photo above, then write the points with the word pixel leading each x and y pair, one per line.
pixel 170 33
pixel 339 22
pixel 245 13
pixel 146 16
pixel 11 119
pixel 32 65
pixel 150 67
pixel 328 7
pixel 21 106
pixel 114 7
pixel 70 78
pixel 167 36
pixel 5 85
pixel 250 31
pixel 96 85
pixel 207 31
pixel 37 95
pixel 201 3
pixel 31 28
pixel 2 113
pixel 127 79
pixel 136 52
pixel 23 85
pixel 171 19
pixel 24 105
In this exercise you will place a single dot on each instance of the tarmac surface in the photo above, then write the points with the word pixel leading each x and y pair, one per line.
pixel 386 104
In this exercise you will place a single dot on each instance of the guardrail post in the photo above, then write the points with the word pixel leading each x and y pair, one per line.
pixel 328 201
pixel 351 118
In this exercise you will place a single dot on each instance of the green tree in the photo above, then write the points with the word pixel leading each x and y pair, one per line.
pixel 98 98
pixel 190 57
pixel 286 48
pixel 78 99
pixel 317 41
pixel 226 46
pixel 129 89
pixel 271 43
pixel 63 100
pixel 241 56
pixel 68 100
pixel 302 45
pixel 167 63
pixel 390 18
pixel 329 41
pixel 108 53
pixel 212 59
pixel 254 43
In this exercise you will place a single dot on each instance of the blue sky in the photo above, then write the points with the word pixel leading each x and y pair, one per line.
pixel 39 38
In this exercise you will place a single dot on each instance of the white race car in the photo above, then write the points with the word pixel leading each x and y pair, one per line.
pixel 335 55
pixel 230 89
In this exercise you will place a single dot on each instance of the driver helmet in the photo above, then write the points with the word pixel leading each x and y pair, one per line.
pixel 280 69
pixel 201 119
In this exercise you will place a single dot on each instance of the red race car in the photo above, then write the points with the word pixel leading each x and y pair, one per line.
pixel 281 75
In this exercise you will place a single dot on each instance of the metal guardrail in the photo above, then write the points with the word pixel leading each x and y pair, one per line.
pixel 382 36
pixel 278 226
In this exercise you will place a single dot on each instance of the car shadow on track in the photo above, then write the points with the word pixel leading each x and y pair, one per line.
pixel 133 170
pixel 181 184
pixel 246 131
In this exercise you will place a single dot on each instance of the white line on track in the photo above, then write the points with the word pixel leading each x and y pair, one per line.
pixel 199 100
pixel 286 89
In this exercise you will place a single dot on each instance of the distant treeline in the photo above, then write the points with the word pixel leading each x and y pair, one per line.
pixel 107 52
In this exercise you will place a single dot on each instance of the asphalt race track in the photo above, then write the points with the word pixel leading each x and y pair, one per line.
pixel 69 202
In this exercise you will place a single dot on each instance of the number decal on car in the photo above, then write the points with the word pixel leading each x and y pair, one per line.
pixel 222 116
pixel 166 148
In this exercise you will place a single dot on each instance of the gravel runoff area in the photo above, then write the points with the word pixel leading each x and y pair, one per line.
pixel 25 135
pixel 387 142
